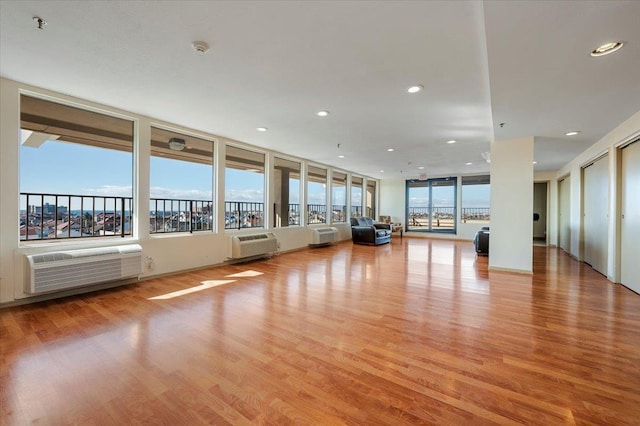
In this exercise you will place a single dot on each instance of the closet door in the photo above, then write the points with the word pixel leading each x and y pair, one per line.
pixel 565 211
pixel 630 223
pixel 595 209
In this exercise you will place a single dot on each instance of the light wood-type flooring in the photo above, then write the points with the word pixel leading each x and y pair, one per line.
pixel 415 332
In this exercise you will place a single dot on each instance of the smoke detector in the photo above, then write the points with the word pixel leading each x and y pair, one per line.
pixel 200 46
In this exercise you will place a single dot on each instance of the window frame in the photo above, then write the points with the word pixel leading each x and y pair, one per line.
pixel 254 222
pixel 183 202
pixel 429 209
pixel 127 204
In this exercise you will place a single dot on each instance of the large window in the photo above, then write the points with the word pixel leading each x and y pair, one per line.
pixel 476 199
pixel 356 196
pixel 76 172
pixel 244 189
pixel 431 205
pixel 286 174
pixel 371 198
pixel 316 195
pixel 181 183
pixel 339 197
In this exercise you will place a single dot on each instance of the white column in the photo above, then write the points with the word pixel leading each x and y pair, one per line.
pixel 511 240
pixel 9 176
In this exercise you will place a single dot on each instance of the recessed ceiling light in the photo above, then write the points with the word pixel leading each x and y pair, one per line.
pixel 535 162
pixel 323 113
pixel 451 141
pixel 421 168
pixel 390 149
pixel 261 129
pixel 468 164
pixel 607 48
pixel 381 171
pixel 573 133
pixel 340 156
pixel 415 89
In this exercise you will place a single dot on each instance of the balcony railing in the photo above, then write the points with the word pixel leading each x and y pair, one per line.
pixel 171 215
pixel 58 216
pixel 432 218
pixel 476 214
pixel 294 214
pixel 242 214
pixel 339 213
pixel 317 213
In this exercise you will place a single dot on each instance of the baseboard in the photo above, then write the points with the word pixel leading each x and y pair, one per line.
pixel 510 271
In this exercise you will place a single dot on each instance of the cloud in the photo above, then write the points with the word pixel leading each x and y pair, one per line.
pixel 180 194
pixel 247 195
pixel 111 191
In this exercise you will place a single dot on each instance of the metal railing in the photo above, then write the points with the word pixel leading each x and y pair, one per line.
pixel 243 214
pixel 475 214
pixel 317 213
pixel 171 215
pixel 58 216
pixel 430 218
pixel 339 213
pixel 294 214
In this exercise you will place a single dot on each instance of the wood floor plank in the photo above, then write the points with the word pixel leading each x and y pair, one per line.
pixel 415 332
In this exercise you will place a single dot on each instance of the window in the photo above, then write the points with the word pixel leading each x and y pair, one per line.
pixel 476 198
pixel 181 180
pixel 76 172
pixel 244 189
pixel 339 197
pixel 371 198
pixel 431 205
pixel 286 174
pixel 356 196
pixel 316 195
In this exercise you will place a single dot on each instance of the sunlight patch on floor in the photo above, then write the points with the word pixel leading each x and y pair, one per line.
pixel 248 273
pixel 203 286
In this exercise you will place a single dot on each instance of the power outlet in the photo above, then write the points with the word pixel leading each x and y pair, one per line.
pixel 149 262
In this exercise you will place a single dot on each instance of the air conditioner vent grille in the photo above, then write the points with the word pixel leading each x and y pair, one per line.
pixel 243 246
pixel 253 237
pixel 76 268
pixel 323 236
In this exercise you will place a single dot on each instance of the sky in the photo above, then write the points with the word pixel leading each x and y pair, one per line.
pixel 68 168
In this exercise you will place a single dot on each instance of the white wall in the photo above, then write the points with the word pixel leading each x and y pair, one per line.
pixel 170 252
pixel 511 238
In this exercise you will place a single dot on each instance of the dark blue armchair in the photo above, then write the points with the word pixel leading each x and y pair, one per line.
pixel 364 231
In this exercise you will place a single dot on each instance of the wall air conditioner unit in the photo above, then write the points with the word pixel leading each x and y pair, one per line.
pixel 63 270
pixel 255 245
pixel 323 236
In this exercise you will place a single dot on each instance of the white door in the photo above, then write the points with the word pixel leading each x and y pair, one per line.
pixel 630 228
pixel 565 211
pixel 595 209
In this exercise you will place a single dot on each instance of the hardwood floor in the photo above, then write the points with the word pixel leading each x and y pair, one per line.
pixel 416 332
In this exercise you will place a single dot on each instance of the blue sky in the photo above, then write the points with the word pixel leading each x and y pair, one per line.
pixel 68 168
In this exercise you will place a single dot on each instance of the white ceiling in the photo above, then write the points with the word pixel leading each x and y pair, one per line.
pixel 276 63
